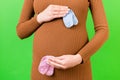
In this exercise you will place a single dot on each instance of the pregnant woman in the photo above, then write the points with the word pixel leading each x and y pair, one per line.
pixel 70 47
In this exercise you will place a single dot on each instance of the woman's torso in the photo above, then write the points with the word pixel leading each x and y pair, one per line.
pixel 53 36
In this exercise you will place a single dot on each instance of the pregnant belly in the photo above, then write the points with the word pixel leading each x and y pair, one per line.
pixel 54 39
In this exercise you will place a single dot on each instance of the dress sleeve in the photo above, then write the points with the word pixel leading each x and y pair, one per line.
pixel 100 27
pixel 27 23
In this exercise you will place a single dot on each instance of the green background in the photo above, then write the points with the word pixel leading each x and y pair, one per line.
pixel 16 54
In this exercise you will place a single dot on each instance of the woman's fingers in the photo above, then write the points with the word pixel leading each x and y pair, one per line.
pixel 58 61
pixel 56 65
pixel 59 12
pixel 61 57
pixel 65 61
pixel 58 16
pixel 59 7
pixel 51 12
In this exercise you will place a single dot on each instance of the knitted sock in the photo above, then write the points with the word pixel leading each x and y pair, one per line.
pixel 70 19
pixel 45 68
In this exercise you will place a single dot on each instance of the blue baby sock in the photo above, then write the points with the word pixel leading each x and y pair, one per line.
pixel 75 20
pixel 70 19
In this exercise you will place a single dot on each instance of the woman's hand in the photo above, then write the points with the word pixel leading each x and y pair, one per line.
pixel 65 61
pixel 51 12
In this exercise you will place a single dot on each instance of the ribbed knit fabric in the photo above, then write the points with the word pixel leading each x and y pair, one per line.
pixel 53 38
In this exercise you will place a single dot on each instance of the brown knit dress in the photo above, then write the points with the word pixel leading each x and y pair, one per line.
pixel 53 38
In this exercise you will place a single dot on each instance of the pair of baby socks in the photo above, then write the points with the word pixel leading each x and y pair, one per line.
pixel 44 68
pixel 70 19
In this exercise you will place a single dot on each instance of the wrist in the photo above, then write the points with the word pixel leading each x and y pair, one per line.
pixel 79 58
pixel 39 18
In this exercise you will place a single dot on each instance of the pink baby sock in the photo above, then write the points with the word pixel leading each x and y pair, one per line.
pixel 44 67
